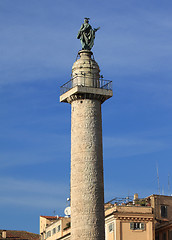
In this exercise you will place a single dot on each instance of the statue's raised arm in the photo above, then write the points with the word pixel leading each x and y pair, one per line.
pixel 87 35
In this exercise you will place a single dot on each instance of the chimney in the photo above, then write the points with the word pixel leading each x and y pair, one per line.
pixel 4 234
pixel 136 197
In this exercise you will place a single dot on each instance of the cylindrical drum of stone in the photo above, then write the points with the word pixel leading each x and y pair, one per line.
pixel 87 187
pixel 85 71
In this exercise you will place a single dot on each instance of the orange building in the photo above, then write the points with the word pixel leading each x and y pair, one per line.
pixel 149 218
pixel 128 222
pixel 55 227
pixel 125 219
pixel 162 208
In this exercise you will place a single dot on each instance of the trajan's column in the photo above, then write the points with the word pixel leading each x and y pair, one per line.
pixel 86 91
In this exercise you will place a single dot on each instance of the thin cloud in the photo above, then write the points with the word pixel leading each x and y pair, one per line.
pixel 26 148
pixel 118 147
pixel 32 193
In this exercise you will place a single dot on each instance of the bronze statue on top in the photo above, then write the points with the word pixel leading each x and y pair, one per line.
pixel 87 35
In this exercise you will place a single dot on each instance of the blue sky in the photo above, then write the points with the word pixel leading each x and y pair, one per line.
pixel 38 47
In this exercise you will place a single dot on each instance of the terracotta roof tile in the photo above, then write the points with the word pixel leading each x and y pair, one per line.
pixel 19 235
pixel 49 217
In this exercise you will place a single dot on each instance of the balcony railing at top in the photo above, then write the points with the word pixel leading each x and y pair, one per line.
pixel 86 81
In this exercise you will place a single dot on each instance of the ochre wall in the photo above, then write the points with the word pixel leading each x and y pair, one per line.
pixel 127 233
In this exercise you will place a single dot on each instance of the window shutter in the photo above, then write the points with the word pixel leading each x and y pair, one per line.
pixel 162 211
pixel 166 211
pixel 110 227
pixel 132 225
pixel 142 226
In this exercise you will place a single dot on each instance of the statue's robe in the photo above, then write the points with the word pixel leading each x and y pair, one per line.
pixel 87 35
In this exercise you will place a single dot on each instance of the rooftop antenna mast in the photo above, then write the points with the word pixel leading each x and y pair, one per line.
pixel 158 179
pixel 168 184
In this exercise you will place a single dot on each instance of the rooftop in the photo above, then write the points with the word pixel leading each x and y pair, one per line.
pixel 50 217
pixel 19 235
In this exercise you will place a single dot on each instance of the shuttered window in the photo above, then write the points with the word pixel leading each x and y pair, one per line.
pixel 164 236
pixel 111 226
pixel 157 236
pixel 58 228
pixel 170 235
pixel 164 211
pixel 54 230
pixel 48 234
pixel 137 226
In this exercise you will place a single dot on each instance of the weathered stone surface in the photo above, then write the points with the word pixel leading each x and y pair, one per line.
pixel 87 188
pixel 86 94
pixel 86 66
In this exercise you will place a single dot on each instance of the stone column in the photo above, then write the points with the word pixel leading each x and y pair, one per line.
pixel 86 92
pixel 87 188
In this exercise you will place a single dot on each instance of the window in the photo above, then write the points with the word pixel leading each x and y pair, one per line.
pixel 111 227
pixel 58 228
pixel 164 236
pixel 137 226
pixel 164 211
pixel 48 234
pixel 157 236
pixel 54 230
pixel 170 235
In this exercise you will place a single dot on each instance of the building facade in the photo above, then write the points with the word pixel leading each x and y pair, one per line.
pixel 162 207
pixel 149 218
pixel 127 222
pixel 121 223
pixel 55 227
pixel 140 219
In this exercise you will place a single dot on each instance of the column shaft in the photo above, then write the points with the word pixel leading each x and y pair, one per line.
pixel 87 188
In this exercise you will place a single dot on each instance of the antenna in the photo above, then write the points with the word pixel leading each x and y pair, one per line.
pixel 158 178
pixel 163 193
pixel 168 184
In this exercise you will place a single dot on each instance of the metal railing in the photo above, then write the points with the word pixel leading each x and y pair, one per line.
pixel 84 81
pixel 128 202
